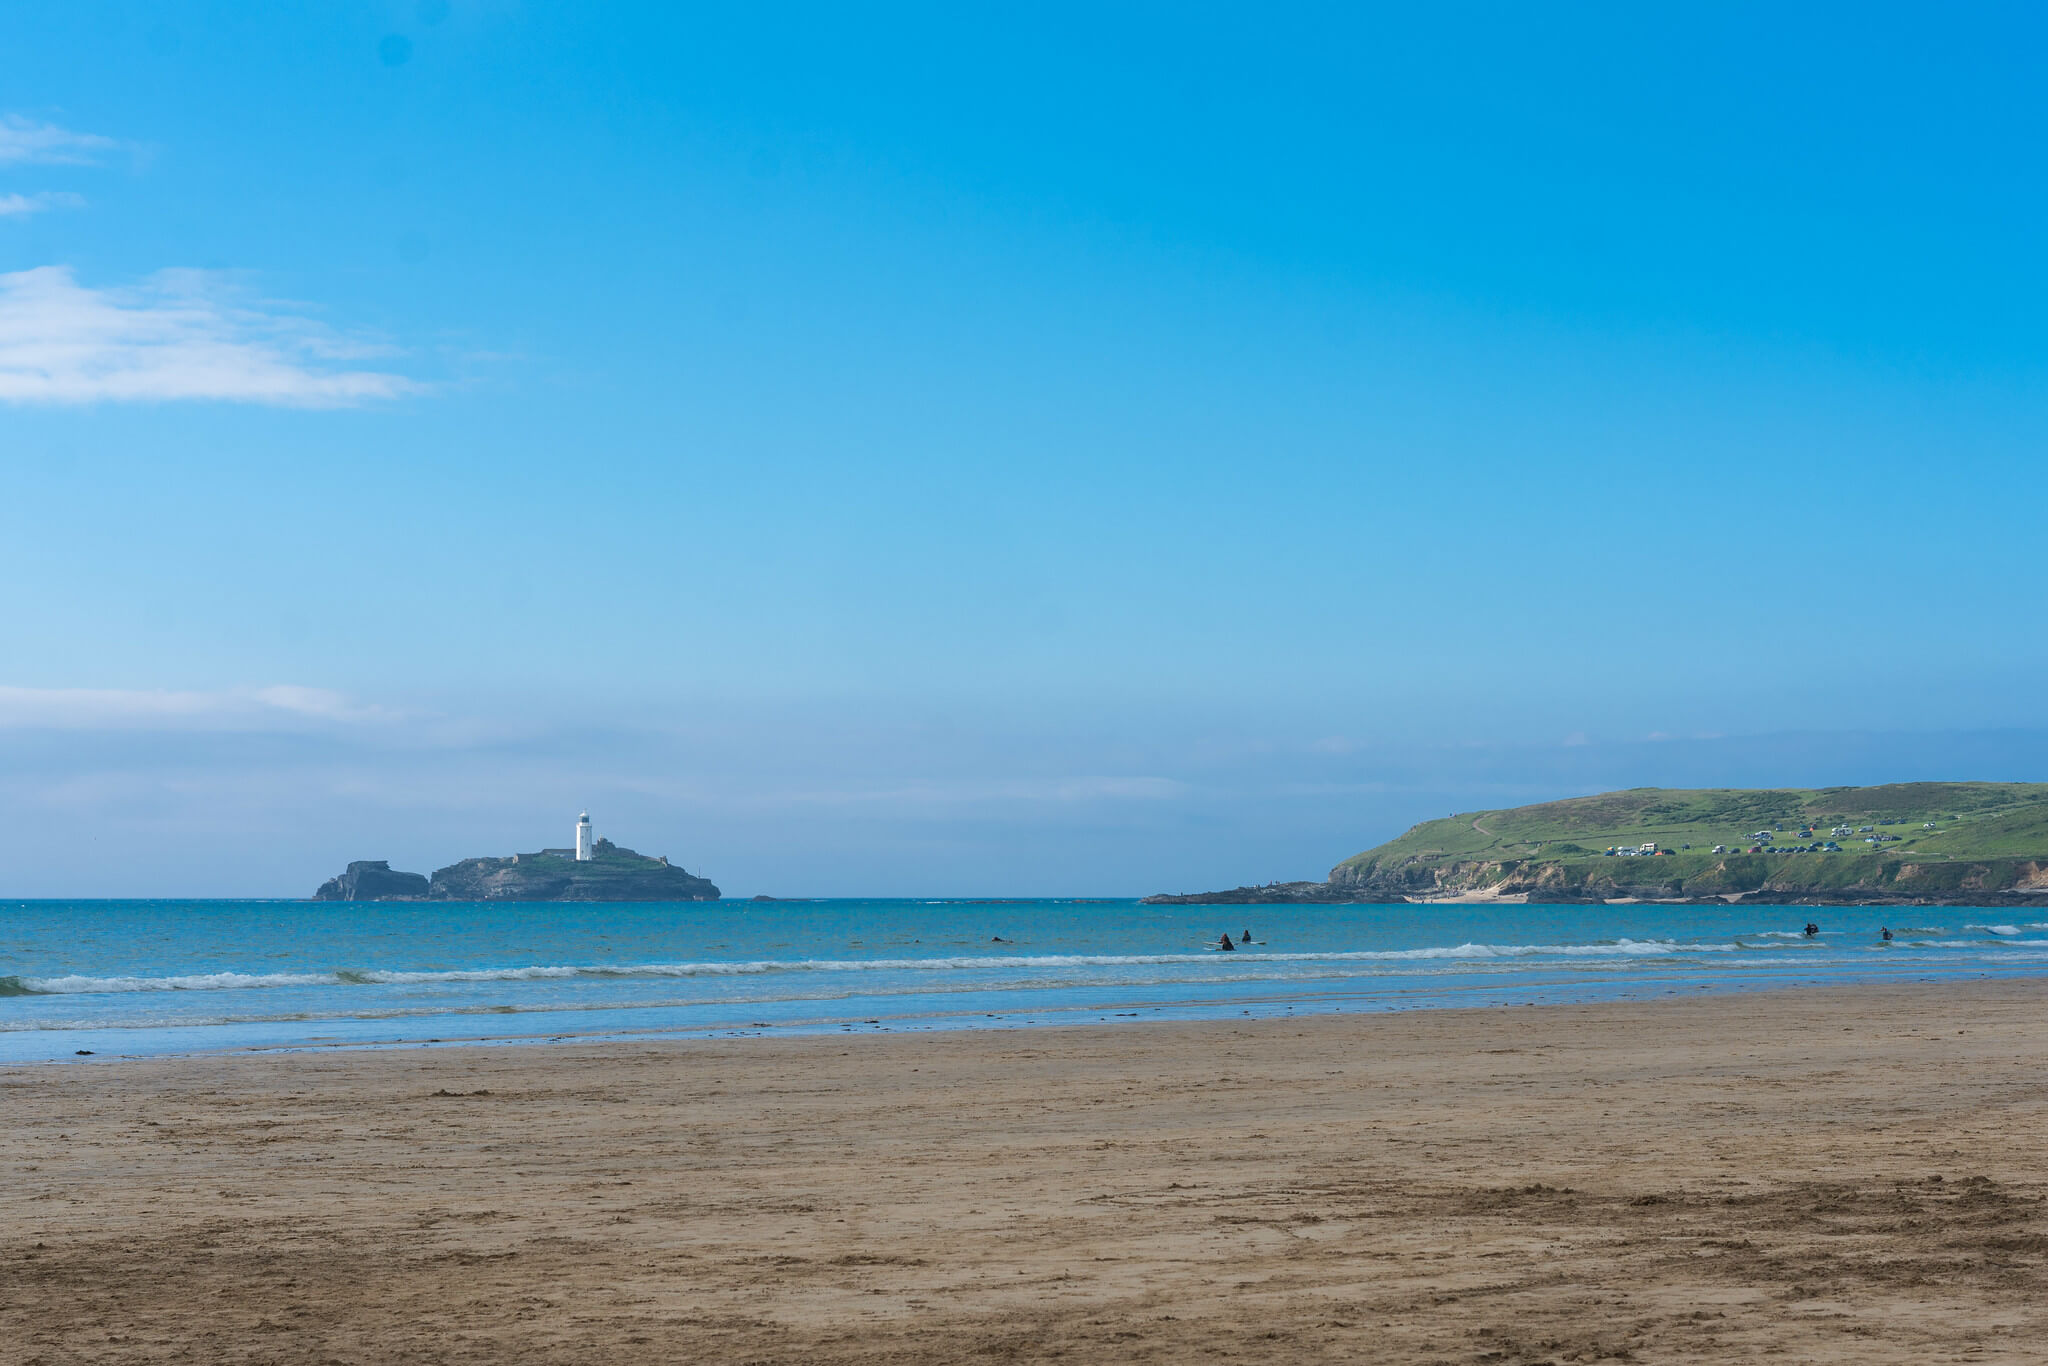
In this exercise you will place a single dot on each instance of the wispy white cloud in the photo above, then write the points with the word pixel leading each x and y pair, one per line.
pixel 21 205
pixel 320 704
pixel 181 334
pixel 24 141
pixel 755 793
pixel 946 792
pixel 235 709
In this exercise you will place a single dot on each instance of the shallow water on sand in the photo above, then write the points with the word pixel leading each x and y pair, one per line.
pixel 127 978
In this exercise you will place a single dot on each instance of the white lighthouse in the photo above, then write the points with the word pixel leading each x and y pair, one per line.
pixel 583 854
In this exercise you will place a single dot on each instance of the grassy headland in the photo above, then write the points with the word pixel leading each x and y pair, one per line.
pixel 1962 842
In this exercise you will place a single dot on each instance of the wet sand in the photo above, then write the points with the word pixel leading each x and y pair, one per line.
pixel 1824 1175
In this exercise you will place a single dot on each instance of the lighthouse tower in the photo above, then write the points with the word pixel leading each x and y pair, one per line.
pixel 583 854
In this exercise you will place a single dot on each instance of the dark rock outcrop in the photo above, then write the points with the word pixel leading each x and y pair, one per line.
pixel 372 880
pixel 1279 893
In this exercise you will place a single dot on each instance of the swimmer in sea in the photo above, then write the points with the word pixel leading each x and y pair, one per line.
pixel 1886 932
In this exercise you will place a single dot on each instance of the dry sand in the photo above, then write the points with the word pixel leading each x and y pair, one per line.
pixel 1830 1176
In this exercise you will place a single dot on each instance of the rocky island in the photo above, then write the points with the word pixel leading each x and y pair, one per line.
pixel 372 880
pixel 1973 844
pixel 595 870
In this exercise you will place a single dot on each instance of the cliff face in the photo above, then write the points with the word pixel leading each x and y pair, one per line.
pixel 614 874
pixel 1868 882
pixel 1838 879
pixel 372 880
pixel 1279 894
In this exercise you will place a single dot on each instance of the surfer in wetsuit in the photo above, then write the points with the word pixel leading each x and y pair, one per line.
pixel 1886 932
pixel 1226 946
pixel 1245 938
pixel 1811 929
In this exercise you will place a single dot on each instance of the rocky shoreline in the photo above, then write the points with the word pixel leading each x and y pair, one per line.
pixel 1275 894
pixel 1990 882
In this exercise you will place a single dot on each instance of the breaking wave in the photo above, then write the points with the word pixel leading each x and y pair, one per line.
pixel 204 981
pixel 241 981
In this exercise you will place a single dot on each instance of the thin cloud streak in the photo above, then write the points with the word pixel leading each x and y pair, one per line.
pixel 757 794
pixel 22 205
pixel 24 142
pixel 99 709
pixel 180 335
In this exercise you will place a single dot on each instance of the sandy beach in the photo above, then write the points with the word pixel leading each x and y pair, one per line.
pixel 1823 1175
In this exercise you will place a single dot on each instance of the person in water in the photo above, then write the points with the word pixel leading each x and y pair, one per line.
pixel 1811 929
pixel 1245 938
pixel 1226 946
pixel 1885 930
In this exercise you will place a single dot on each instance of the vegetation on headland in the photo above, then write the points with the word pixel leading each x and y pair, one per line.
pixel 612 874
pixel 1904 842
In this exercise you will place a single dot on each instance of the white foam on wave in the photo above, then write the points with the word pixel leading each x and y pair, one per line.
pixel 203 981
pixel 1995 929
pixel 238 981
pixel 1624 947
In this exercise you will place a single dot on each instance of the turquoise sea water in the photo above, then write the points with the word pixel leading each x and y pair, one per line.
pixel 126 978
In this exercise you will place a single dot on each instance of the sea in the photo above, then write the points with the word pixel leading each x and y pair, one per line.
pixel 86 980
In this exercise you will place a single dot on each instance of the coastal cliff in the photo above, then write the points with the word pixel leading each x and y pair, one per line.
pixel 1978 844
pixel 372 880
pixel 1279 894
pixel 611 874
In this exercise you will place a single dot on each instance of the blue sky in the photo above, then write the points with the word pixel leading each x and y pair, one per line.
pixel 1063 451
